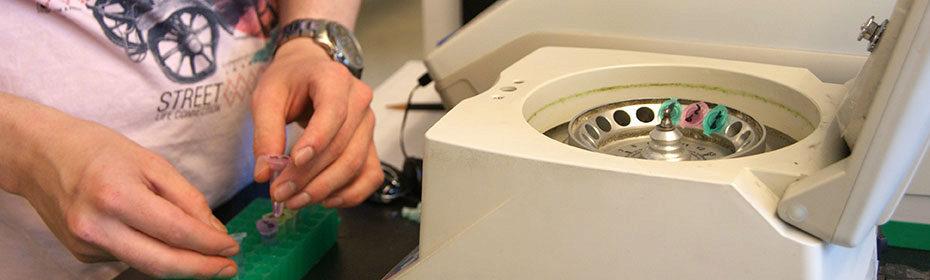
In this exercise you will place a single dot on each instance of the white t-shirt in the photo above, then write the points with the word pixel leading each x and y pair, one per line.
pixel 174 76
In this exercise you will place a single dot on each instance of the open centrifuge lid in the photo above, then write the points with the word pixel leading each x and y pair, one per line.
pixel 884 121
pixel 881 38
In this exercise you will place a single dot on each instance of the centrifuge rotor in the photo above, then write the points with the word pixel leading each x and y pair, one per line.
pixel 632 129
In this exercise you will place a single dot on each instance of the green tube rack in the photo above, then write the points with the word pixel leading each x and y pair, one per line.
pixel 297 247
pixel 907 235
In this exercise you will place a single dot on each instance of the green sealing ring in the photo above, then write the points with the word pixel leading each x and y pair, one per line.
pixel 676 110
pixel 716 120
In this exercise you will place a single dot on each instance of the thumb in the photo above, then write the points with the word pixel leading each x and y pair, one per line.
pixel 269 105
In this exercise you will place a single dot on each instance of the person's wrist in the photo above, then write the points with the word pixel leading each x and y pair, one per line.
pixel 31 130
pixel 304 47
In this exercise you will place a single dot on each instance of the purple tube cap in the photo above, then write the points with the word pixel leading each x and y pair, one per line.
pixel 275 162
pixel 267 227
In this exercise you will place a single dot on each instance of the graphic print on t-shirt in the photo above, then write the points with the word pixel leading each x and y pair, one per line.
pixel 181 35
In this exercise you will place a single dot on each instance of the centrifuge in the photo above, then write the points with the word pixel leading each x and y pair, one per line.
pixel 679 161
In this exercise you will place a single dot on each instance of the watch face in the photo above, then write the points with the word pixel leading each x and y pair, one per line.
pixel 344 41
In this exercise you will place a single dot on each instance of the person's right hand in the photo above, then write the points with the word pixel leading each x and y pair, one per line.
pixel 104 196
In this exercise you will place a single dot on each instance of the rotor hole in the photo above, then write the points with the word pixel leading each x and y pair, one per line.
pixel 734 129
pixel 621 118
pixel 745 136
pixel 518 81
pixel 508 88
pixel 644 114
pixel 602 123
pixel 592 132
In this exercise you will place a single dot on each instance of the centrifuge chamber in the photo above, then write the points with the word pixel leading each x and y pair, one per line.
pixel 503 198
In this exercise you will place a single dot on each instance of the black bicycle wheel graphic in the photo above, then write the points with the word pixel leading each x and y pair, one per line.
pixel 185 44
pixel 117 18
pixel 265 10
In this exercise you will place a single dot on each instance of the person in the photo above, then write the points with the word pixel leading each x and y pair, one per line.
pixel 124 121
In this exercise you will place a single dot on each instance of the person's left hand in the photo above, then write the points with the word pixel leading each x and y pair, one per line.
pixel 335 159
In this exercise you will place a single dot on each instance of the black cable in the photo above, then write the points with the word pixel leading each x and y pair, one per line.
pixel 424 80
pixel 403 123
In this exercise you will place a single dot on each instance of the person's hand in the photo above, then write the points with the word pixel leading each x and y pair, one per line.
pixel 105 197
pixel 335 162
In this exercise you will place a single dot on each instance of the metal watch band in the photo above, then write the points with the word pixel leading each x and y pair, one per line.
pixel 300 28
pixel 317 30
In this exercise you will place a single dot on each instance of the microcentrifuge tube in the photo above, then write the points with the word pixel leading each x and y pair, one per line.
pixel 268 229
pixel 715 120
pixel 288 219
pixel 238 237
pixel 286 222
pixel 676 110
pixel 277 163
pixel 693 115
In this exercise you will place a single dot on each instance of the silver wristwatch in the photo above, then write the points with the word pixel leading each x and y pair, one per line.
pixel 336 39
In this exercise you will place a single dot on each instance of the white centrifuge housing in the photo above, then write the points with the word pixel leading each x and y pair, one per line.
pixel 510 194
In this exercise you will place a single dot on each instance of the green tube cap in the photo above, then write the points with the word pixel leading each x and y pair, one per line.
pixel 716 120
pixel 676 110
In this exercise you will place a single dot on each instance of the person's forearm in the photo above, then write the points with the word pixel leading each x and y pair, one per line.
pixel 341 11
pixel 24 125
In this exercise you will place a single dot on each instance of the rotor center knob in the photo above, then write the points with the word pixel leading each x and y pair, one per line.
pixel 665 141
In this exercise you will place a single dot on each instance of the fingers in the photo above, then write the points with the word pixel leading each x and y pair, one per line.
pixel 341 171
pixel 154 204
pixel 337 104
pixel 370 178
pixel 158 259
pixel 296 178
pixel 269 112
pixel 164 221
pixel 177 190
